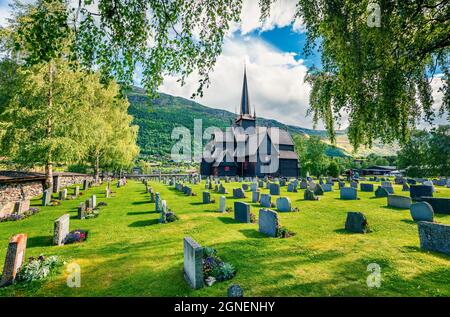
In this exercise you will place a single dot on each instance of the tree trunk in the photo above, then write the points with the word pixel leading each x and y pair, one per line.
pixel 97 169
pixel 49 164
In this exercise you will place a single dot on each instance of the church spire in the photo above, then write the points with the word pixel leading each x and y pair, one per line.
pixel 245 101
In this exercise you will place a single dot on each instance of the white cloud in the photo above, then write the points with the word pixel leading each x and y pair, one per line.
pixel 282 14
pixel 438 96
pixel 4 13
pixel 275 80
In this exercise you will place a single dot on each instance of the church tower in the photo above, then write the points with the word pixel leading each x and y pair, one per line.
pixel 245 118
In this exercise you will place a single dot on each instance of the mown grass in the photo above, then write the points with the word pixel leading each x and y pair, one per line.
pixel 128 253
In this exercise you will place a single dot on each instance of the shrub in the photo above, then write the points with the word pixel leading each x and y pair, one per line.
pixel 283 232
pixel 171 217
pixel 223 272
pixel 37 269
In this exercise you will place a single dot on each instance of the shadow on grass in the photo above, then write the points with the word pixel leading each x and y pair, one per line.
pixel 343 231
pixel 227 220
pixel 253 234
pixel 39 241
pixel 409 221
pixel 140 202
pixel 413 248
pixel 197 204
pixel 394 208
pixel 143 223
pixel 137 213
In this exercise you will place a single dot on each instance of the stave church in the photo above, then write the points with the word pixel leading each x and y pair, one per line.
pixel 226 158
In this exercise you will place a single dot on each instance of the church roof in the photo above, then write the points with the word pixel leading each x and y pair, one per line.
pixel 288 155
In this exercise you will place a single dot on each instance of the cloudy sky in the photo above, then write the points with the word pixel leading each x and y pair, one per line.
pixel 276 66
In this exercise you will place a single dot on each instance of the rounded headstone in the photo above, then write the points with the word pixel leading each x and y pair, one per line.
pixel 235 291
pixel 422 211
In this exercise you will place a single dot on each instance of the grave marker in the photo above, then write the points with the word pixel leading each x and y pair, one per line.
pixel 14 258
pixel 268 222
pixel 61 229
pixel 193 263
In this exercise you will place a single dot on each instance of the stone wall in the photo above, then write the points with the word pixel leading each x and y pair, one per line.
pixel 12 191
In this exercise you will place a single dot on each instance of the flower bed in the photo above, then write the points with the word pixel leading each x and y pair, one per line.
pixel 214 269
pixel 15 217
pixel 283 232
pixel 37 269
pixel 76 236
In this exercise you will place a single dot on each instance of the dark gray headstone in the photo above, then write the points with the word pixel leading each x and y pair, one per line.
pixel 193 263
pixel 206 197
pixel 242 212
pixel 82 211
pixel 356 222
pixel 238 193
pixel 441 205
pixel 348 193
pixel 255 196
pixel 274 189
pixel 46 197
pixel 405 187
pixel 366 187
pixel 318 190
pixel 266 200
pixel 309 195
pixel 417 191
pixel 381 192
pixel 268 222
pixel 434 237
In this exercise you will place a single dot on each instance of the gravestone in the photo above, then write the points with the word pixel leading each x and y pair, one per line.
pixel 411 181
pixel 244 186
pixel 81 210
pixel 15 255
pixel 56 184
pixel 206 198
pixel 152 197
pixel 397 201
pixel 354 184
pixel 63 194
pixel 46 197
pixel 381 192
pixel 85 184
pixel 441 182
pixel 292 188
pixel 266 200
pixel 405 187
pixel 348 193
pixel 318 190
pixel 417 191
pixel 222 190
pixel 235 291
pixel 303 184
pixel 327 187
pixel 188 191
pixel 61 229
pixel 366 187
pixel 107 192
pixel 158 206
pixel 268 222
pixel 242 212
pixel 238 193
pixel 222 204
pixel 193 263
pixel 386 184
pixel 341 184
pixel 94 201
pixel 255 196
pixel 274 189
pixel 434 237
pixel 389 189
pixel 22 206
pixel 356 222
pixel 253 187
pixel 309 195
pixel 76 191
pixel 422 211
pixel 284 204
pixel 441 205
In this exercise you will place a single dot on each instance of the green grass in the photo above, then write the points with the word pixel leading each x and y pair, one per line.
pixel 128 253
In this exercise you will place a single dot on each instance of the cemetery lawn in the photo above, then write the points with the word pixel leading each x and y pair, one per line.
pixel 128 253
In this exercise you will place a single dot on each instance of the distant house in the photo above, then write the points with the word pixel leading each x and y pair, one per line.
pixel 228 159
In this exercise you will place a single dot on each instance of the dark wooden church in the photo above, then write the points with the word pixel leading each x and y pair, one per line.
pixel 260 144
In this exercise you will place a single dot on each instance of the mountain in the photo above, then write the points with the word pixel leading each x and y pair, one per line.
pixel 157 118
